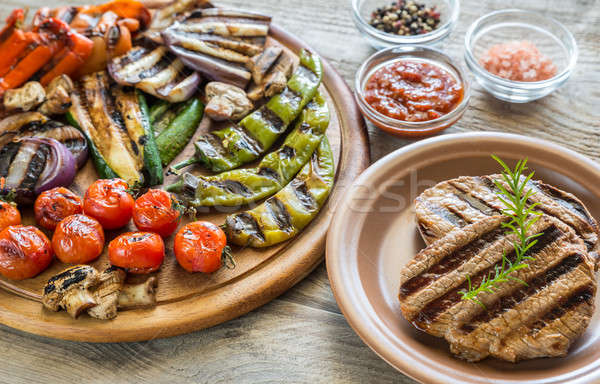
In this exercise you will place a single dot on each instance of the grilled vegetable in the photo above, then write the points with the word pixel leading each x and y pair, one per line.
pixel 110 26
pixel 260 64
pixel 58 96
pixel 219 42
pixel 26 98
pixel 226 102
pixel 180 130
pixel 25 252
pixel 32 165
pixel 71 290
pixel 243 186
pixel 165 16
pixel 34 124
pixel 274 81
pixel 156 72
pixel 50 49
pixel 244 142
pixel 120 137
pixel 285 214
pixel 107 293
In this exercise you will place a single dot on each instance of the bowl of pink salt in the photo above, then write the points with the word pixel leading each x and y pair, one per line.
pixel 520 56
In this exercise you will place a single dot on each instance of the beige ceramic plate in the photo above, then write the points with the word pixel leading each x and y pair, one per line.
pixel 373 235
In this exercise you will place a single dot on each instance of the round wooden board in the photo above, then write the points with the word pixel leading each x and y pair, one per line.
pixel 189 302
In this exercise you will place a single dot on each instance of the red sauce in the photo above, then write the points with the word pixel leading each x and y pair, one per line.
pixel 413 91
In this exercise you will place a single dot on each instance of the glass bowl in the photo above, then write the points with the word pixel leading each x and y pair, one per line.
pixel 551 38
pixel 410 128
pixel 362 9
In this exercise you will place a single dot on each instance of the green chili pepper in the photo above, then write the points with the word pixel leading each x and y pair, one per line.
pixel 243 186
pixel 157 110
pixel 285 214
pixel 239 144
pixel 180 130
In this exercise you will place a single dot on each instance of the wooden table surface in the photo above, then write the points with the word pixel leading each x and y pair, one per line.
pixel 302 336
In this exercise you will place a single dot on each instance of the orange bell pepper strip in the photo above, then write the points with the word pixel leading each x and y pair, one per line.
pixel 13 41
pixel 49 38
pixel 125 9
pixel 71 58
pixel 13 21
pixel 29 65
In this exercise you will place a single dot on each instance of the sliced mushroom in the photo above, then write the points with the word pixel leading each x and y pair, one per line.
pixel 138 295
pixel 226 102
pixel 25 98
pixel 275 81
pixel 260 64
pixel 107 293
pixel 71 290
pixel 58 96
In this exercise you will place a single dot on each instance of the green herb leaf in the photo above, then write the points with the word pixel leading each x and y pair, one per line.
pixel 523 216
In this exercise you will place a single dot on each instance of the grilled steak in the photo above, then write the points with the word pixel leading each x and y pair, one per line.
pixel 464 200
pixel 519 321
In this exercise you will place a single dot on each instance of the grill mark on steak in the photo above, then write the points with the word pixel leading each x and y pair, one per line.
pixel 474 202
pixel 445 214
pixel 434 308
pixel 534 285
pixel 573 212
pixel 567 202
pixel 451 261
pixel 583 294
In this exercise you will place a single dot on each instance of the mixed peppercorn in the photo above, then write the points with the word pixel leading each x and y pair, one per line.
pixel 405 18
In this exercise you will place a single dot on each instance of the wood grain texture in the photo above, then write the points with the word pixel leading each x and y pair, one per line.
pixel 301 336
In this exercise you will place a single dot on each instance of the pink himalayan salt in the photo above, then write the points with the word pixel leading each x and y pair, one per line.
pixel 519 61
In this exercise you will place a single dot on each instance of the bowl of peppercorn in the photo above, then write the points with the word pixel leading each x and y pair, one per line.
pixel 386 23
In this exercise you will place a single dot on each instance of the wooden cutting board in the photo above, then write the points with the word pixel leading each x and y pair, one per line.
pixel 189 302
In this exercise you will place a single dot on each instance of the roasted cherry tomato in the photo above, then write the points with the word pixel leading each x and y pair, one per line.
pixel 55 204
pixel 137 252
pixel 199 247
pixel 24 252
pixel 9 215
pixel 78 239
pixel 108 201
pixel 156 211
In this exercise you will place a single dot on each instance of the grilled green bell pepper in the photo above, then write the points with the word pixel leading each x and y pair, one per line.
pixel 243 186
pixel 115 122
pixel 183 122
pixel 244 142
pixel 285 214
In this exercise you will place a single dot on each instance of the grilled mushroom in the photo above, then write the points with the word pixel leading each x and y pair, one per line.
pixel 25 98
pixel 226 102
pixel 58 96
pixel 138 295
pixel 107 293
pixel 70 290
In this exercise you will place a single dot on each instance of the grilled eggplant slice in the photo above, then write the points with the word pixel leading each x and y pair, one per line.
pixel 274 81
pixel 156 72
pixel 167 15
pixel 219 43
pixel 35 124
pixel 243 186
pixel 260 64
pixel 244 142
pixel 114 120
pixel 285 214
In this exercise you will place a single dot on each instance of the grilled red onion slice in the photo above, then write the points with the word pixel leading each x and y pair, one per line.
pixel 32 165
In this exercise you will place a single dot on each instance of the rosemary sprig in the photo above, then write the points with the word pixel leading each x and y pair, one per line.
pixel 523 216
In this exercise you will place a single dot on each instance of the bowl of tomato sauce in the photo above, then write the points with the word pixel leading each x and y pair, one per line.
pixel 412 91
